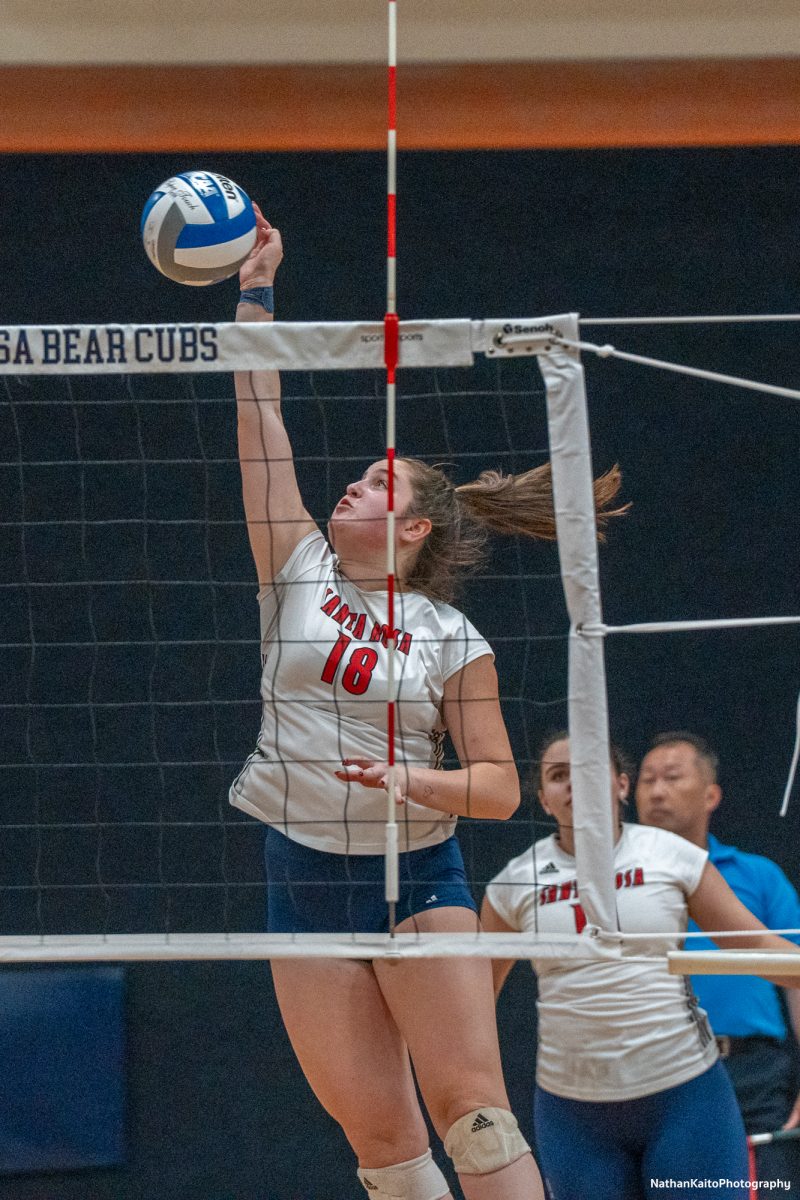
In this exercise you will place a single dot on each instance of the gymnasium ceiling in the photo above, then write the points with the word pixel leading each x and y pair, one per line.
pixel 162 75
pixel 315 31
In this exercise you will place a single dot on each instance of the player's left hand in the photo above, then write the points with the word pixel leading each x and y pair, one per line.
pixel 370 773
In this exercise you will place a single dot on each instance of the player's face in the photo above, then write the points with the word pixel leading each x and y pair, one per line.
pixel 674 790
pixel 555 790
pixel 361 512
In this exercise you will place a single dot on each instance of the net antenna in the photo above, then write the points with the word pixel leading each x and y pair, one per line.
pixel 391 345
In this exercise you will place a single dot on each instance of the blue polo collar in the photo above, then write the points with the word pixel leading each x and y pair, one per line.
pixel 718 851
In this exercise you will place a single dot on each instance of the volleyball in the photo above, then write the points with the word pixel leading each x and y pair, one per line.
pixel 198 228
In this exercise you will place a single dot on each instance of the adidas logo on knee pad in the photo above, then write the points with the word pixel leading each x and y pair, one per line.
pixel 485 1140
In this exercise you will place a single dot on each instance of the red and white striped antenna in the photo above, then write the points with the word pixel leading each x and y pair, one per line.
pixel 391 341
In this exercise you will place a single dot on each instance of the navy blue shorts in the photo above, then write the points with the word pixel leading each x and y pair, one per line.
pixel 312 891
pixel 646 1149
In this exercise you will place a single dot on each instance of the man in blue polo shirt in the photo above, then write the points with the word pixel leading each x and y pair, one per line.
pixel 677 790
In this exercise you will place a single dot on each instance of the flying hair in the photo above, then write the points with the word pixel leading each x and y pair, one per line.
pixel 463 517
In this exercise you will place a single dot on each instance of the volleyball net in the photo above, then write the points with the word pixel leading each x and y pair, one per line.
pixel 130 649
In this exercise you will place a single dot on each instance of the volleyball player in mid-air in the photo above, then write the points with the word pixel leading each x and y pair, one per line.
pixel 629 1092
pixel 317 779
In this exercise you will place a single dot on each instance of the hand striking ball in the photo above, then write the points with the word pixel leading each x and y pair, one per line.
pixel 198 228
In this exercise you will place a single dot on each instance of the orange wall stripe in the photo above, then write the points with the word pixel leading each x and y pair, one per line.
pixel 466 106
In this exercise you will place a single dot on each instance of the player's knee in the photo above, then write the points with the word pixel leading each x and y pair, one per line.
pixel 485 1140
pixel 417 1179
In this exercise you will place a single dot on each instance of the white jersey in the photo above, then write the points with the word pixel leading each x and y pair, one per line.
pixel 324 688
pixel 612 1030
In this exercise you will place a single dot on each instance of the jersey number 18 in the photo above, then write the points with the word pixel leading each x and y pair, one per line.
pixel 359 668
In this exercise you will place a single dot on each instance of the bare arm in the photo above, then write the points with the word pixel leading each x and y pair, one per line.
pixel 276 516
pixel 714 906
pixel 487 784
pixel 492 922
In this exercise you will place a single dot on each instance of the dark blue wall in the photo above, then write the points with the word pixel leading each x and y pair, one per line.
pixel 217 1108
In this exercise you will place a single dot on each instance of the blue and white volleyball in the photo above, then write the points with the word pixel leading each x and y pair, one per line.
pixel 198 228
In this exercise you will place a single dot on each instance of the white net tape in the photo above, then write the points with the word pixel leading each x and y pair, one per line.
pixel 182 947
pixel 248 346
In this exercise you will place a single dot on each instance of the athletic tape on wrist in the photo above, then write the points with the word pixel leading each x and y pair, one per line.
pixel 263 296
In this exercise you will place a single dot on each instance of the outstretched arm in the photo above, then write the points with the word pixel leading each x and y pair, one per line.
pixel 715 907
pixel 276 516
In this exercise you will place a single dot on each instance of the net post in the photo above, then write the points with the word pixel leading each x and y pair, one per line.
pixel 571 461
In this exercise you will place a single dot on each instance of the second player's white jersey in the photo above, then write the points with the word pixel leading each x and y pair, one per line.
pixel 324 688
pixel 618 1029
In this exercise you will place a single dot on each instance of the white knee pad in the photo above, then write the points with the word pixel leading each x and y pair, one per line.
pixel 417 1179
pixel 484 1141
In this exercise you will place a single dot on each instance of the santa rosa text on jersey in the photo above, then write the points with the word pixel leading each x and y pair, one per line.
pixel 551 893
pixel 356 623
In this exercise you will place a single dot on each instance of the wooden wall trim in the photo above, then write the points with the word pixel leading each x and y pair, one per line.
pixel 466 106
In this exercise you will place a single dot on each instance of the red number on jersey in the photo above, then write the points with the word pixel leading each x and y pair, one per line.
pixel 335 657
pixel 580 918
pixel 358 671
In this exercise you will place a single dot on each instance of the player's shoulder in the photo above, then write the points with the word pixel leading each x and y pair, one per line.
pixel 646 835
pixel 649 839
pixel 312 553
pixel 314 547
pixel 445 623
pixel 539 863
pixel 446 615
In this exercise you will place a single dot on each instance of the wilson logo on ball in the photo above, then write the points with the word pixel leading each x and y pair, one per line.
pixel 198 228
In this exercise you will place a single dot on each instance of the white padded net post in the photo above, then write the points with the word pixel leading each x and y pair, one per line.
pixel 571 457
